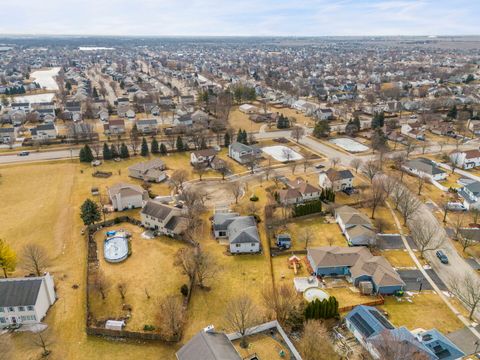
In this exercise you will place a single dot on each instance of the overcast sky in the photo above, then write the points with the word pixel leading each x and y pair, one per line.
pixel 241 17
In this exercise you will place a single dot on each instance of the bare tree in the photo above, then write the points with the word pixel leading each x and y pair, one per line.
pixel 316 341
pixel 335 161
pixel 268 169
pixel 177 179
pixel 457 223
pixel 43 340
pixel 282 301
pixel 35 259
pixel 392 346
pixel 241 315
pixel 475 213
pixel 356 163
pixel 466 241
pixel 421 180
pixel 425 236
pixel 200 170
pixel 236 189
pixel 397 195
pixel 306 236
pixel 100 285
pixel 408 205
pixel 389 185
pixel 377 195
pixel 206 267
pixel 171 318
pixel 185 258
pixel 297 133
pixel 467 289
pixel 122 289
pixel 371 168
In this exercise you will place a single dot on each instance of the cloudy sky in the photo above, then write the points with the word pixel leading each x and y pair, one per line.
pixel 241 17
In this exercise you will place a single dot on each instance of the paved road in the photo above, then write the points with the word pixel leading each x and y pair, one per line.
pixel 39 156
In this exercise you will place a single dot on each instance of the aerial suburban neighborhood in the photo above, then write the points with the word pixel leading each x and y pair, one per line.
pixel 255 198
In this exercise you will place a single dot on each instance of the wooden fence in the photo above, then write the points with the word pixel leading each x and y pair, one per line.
pixel 376 302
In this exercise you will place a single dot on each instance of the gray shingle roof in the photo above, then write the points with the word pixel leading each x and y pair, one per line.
pixel 222 220
pixel 208 346
pixel 22 292
pixel 243 230
pixel 156 210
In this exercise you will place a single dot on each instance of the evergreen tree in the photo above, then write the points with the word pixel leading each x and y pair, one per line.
pixel 107 153
pixel 227 139
pixel 321 129
pixel 163 149
pixel 244 137
pixel 154 146
pixel 452 113
pixel 378 120
pixel 86 154
pixel 124 154
pixel 95 92
pixel 239 136
pixel 203 144
pixel 144 148
pixel 179 144
pixel 114 151
pixel 89 212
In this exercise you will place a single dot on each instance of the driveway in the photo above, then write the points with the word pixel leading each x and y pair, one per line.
pixel 393 242
pixel 413 278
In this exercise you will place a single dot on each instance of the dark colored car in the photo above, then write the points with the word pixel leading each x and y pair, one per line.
pixel 319 166
pixel 349 191
pixel 23 153
pixel 442 257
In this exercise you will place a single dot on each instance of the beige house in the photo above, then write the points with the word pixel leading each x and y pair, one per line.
pixel 165 219
pixel 336 180
pixel 356 226
pixel 127 196
pixel 151 171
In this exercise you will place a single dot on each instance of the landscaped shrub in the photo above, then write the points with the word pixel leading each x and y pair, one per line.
pixel 308 208
pixel 325 309
pixel 148 328
pixel 254 198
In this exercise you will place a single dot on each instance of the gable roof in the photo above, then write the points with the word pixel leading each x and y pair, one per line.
pixel 424 165
pixel 243 229
pixel 126 190
pixel 328 256
pixel 19 292
pixel 351 216
pixel 368 321
pixel 208 346
pixel 334 175
pixel 222 220
pixel 157 210
pixel 440 345
pixel 148 165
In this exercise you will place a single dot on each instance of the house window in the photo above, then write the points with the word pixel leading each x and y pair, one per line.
pixel 1 309
pixel 30 308
pixel 237 245
pixel 21 308
pixel 11 309
pixel 2 320
pixel 222 233
pixel 252 244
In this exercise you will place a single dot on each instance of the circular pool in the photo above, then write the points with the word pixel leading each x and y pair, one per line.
pixel 115 248
pixel 313 293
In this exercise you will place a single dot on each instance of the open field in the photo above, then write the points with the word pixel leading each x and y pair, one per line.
pixel 151 260
pixel 240 120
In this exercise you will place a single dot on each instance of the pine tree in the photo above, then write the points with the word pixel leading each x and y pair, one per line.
pixel 114 151
pixel 124 154
pixel 240 136
pixel 245 137
pixel 154 146
pixel 95 92
pixel 227 139
pixel 107 153
pixel 179 144
pixel 86 154
pixel 163 149
pixel 81 154
pixel 90 212
pixel 203 144
pixel 144 148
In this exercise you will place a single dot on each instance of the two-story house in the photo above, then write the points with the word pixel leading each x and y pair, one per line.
pixel 465 159
pixel 242 153
pixel 127 196
pixel 336 180
pixel 147 126
pixel 44 132
pixel 241 232
pixel 162 218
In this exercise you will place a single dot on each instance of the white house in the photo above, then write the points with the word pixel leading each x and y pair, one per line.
pixel 44 132
pixel 241 232
pixel 241 152
pixel 7 135
pixel 416 133
pixel 204 157
pixel 147 126
pixel 425 167
pixel 183 120
pixel 248 109
pixel 165 219
pixel 324 114
pixel 466 159
pixel 336 180
pixel 471 195
pixel 152 171
pixel 126 196
pixel 25 300
pixel 21 106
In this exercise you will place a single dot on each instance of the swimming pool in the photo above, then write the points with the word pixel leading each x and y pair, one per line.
pixel 115 248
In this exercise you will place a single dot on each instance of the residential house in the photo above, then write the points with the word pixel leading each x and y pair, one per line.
pixel 152 171
pixel 163 218
pixel 241 232
pixel 202 157
pixel 243 153
pixel 183 120
pixel 44 132
pixel 471 195
pixel 103 115
pixel 306 107
pixel 7 135
pixel 130 114
pixel 467 159
pixel 24 106
pixel 200 117
pixel 356 226
pixel 248 109
pixel 425 167
pixel 359 264
pixel 298 191
pixel 373 331
pixel 187 100
pixel 324 114
pixel 336 180
pixel 165 101
pixel 127 196
pixel 414 131
pixel 25 300
pixel 474 126
pixel 17 117
pixel 147 126
pixel 114 127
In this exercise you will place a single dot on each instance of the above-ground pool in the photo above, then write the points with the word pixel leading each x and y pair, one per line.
pixel 282 153
pixel 313 293
pixel 115 248
pixel 349 145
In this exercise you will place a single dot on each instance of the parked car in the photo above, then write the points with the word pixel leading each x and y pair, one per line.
pixel 349 191
pixel 23 153
pixel 456 206
pixel 442 257
pixel 319 166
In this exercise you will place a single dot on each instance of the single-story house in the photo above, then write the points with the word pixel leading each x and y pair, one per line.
pixel 25 300
pixel 241 232
pixel 183 120
pixel 299 191
pixel 357 263
pixel 466 159
pixel 336 180
pixel 114 127
pixel 356 226
pixel 127 196
pixel 425 167
pixel 165 219
pixel 375 333
pixel 248 109
pixel 152 171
